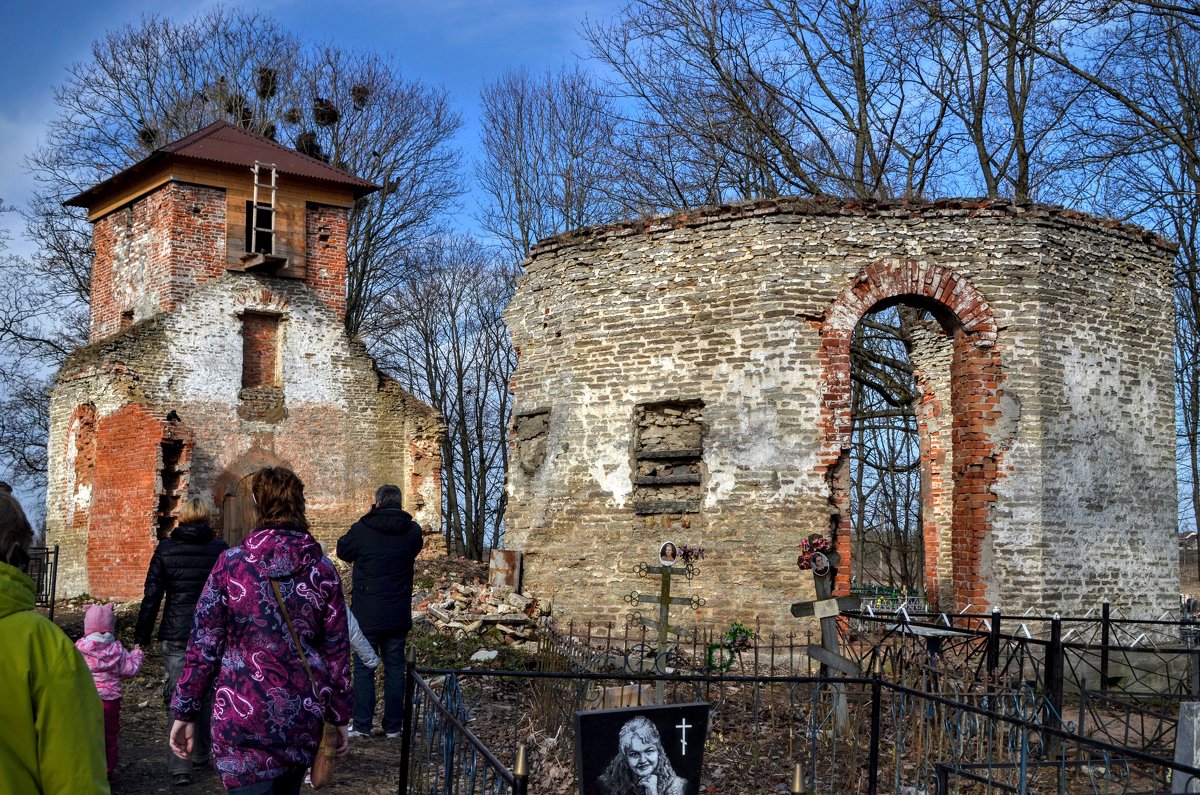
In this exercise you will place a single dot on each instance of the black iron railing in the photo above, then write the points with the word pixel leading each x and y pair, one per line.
pixel 955 702
pixel 43 570
pixel 847 735
pixel 440 755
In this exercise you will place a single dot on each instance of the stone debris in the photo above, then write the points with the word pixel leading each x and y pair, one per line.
pixel 479 609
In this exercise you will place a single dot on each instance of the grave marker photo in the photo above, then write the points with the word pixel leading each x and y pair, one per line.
pixel 641 750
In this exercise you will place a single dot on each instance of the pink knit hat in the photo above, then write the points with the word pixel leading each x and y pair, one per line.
pixel 99 618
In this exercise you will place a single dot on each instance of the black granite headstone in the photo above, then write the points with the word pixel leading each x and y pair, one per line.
pixel 657 750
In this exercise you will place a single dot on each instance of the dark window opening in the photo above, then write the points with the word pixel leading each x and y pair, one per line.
pixel 259 228
pixel 126 319
pixel 899 359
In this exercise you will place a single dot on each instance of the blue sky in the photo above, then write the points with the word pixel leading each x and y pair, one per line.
pixel 456 44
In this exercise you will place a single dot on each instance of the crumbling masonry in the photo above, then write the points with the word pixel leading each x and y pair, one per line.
pixel 688 378
pixel 208 360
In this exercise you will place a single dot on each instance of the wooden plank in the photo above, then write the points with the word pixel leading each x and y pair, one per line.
pixel 667 455
pixel 667 480
pixel 826 608
pixel 807 609
pixel 834 661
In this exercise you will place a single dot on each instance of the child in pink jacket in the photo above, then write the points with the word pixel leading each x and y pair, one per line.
pixel 109 663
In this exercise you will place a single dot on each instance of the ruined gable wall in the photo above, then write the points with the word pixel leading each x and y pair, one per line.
pixel 342 432
pixel 726 308
pixel 341 427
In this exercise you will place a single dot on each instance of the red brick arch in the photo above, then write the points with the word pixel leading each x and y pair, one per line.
pixel 975 379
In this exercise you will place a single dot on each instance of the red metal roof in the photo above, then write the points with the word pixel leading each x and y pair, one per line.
pixel 227 144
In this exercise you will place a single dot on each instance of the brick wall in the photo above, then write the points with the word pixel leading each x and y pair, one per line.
pixel 326 249
pixel 1056 334
pixel 122 531
pixel 153 252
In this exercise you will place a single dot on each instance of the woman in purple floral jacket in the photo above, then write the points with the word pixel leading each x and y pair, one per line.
pixel 265 721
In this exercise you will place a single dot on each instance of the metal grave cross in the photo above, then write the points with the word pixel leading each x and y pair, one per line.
pixel 664 600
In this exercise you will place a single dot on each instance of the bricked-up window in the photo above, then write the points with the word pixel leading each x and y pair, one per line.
pixel 260 349
pixel 532 431
pixel 668 458
pixel 259 217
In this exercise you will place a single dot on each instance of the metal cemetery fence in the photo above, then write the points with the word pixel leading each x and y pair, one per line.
pixel 440 754
pixel 848 736
pixel 1122 679
pixel 960 712
pixel 43 570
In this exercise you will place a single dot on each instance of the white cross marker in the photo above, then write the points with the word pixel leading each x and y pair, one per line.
pixel 683 726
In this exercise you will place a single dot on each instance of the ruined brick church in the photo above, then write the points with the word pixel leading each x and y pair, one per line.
pixel 217 347
pixel 687 378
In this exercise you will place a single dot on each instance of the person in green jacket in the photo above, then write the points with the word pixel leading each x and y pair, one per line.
pixel 60 751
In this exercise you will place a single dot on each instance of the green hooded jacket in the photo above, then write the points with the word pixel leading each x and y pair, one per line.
pixel 53 737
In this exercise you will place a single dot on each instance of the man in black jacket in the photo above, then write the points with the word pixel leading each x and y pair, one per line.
pixel 383 545
pixel 179 569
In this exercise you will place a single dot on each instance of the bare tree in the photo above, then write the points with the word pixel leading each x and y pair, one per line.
pixel 32 336
pixel 1009 103
pixel 777 96
pixel 885 464
pixel 443 337
pixel 148 84
pixel 152 83
pixel 548 156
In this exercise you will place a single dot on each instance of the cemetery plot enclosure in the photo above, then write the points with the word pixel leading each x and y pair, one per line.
pixel 962 730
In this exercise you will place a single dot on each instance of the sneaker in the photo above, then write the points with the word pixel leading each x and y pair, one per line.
pixel 357 733
pixel 395 735
pixel 182 779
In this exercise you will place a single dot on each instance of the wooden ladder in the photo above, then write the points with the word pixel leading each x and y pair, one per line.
pixel 259 169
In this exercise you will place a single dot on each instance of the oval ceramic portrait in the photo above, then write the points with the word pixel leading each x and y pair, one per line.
pixel 667 553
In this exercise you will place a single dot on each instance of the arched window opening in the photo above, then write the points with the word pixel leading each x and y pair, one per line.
pixel 898 354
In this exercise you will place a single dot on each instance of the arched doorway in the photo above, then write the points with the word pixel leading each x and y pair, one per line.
pixel 953 421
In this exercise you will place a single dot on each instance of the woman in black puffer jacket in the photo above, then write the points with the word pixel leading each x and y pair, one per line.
pixel 179 569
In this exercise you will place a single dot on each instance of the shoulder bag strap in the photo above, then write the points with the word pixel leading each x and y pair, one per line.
pixel 295 638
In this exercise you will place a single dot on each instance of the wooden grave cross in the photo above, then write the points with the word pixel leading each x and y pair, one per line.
pixel 827 608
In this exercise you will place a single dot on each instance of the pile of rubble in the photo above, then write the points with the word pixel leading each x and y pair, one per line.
pixel 481 609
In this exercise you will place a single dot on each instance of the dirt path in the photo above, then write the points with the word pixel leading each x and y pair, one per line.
pixel 372 766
